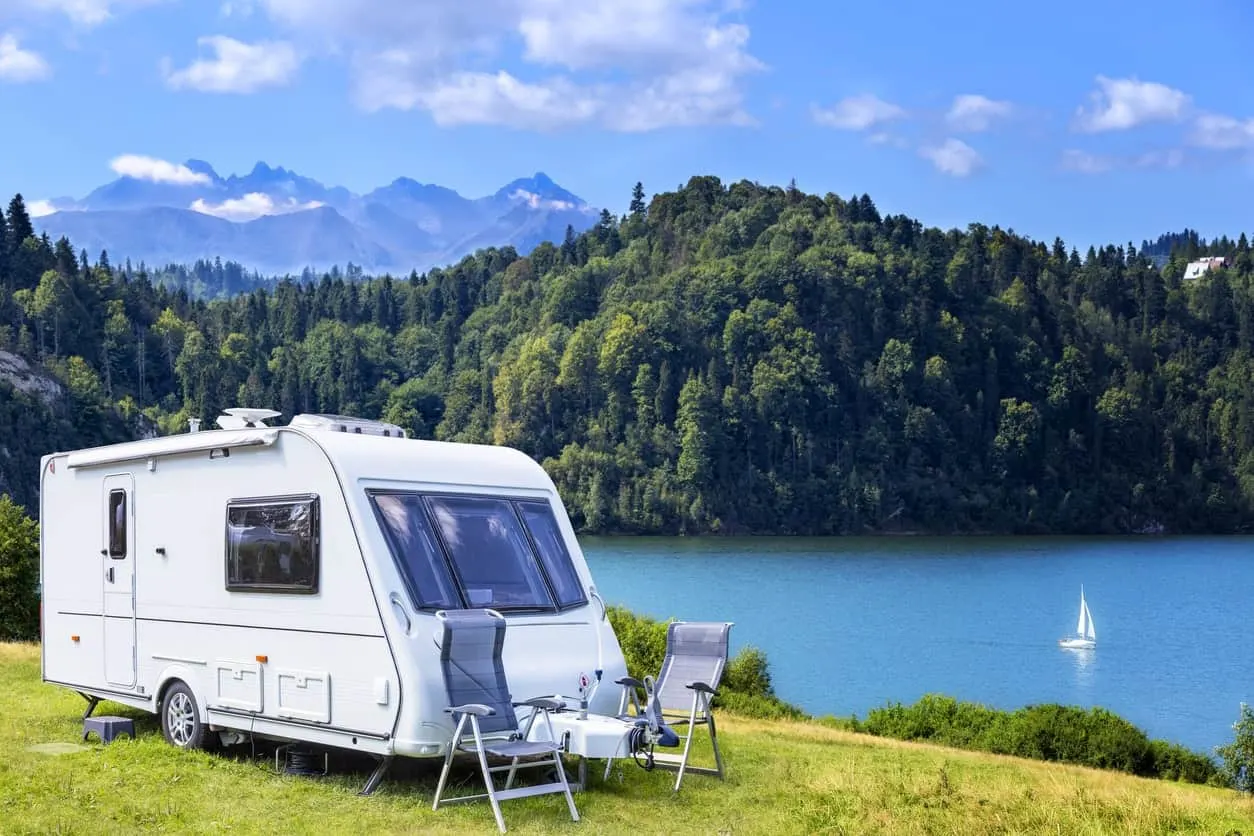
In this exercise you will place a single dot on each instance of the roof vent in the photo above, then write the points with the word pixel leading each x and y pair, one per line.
pixel 347 424
pixel 238 418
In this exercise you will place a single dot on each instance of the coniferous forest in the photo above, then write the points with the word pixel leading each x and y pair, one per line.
pixel 720 359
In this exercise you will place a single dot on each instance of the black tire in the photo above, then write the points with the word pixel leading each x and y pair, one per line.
pixel 180 719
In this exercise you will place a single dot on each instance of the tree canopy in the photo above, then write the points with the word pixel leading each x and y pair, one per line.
pixel 723 358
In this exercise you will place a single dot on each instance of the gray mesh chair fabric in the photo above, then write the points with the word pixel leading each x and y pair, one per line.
pixel 478 696
pixel 696 658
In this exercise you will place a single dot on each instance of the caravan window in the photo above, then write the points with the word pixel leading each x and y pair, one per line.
pixel 552 548
pixel 414 544
pixel 460 550
pixel 272 545
pixel 490 552
pixel 117 524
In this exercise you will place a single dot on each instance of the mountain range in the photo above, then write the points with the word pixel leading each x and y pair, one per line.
pixel 276 221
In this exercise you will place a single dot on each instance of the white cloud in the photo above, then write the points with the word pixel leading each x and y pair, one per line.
pixel 250 207
pixel 1222 133
pixel 1084 162
pixel 953 157
pixel 236 8
pixel 237 67
pixel 975 113
pixel 1167 158
pixel 536 201
pixel 40 208
pixel 81 12
pixel 885 138
pixel 640 64
pixel 157 171
pixel 1123 103
pixel 857 113
pixel 19 65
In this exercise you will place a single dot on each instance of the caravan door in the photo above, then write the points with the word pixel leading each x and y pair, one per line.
pixel 118 561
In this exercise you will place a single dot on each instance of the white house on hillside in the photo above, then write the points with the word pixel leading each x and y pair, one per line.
pixel 1197 269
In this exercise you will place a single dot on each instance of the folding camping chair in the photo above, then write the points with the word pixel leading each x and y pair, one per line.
pixel 696 656
pixel 474 678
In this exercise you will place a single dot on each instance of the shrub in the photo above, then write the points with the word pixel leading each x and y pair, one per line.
pixel 1093 737
pixel 19 573
pixel 746 687
pixel 1237 758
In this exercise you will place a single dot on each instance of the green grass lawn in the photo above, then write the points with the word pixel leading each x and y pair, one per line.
pixel 783 777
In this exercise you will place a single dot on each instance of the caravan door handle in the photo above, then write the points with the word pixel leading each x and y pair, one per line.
pixel 109 574
pixel 401 615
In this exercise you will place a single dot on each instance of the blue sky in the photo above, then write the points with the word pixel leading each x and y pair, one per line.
pixel 1097 121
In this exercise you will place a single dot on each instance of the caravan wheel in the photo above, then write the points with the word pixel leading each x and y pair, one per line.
pixel 180 718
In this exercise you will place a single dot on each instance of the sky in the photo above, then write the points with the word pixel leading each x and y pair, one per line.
pixel 1100 122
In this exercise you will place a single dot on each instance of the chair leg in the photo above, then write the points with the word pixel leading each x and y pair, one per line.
pixel 448 761
pixel 487 774
pixel 692 727
pixel 718 757
pixel 561 776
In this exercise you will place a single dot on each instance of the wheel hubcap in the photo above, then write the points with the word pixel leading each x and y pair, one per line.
pixel 180 719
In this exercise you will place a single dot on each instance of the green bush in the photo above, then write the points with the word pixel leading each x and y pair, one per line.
pixel 1237 758
pixel 19 573
pixel 1067 734
pixel 746 687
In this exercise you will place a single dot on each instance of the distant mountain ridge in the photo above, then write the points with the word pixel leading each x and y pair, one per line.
pixel 276 221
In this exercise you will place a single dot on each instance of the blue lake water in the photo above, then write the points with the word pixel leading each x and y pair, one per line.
pixel 851 623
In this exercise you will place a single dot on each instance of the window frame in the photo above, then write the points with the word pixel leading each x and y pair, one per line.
pixel 389 537
pixel 118 546
pixel 315 528
pixel 512 501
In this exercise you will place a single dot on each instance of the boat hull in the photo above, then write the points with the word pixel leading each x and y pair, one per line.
pixel 1077 644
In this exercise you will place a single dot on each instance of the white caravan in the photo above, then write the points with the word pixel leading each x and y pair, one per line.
pixel 283 581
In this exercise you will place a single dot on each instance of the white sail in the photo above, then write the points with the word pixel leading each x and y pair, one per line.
pixel 1085 632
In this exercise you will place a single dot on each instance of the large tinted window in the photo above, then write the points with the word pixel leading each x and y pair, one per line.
pixel 417 552
pixel 552 548
pixel 490 552
pixel 272 545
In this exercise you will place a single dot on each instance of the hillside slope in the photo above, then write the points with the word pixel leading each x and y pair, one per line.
pixel 737 359
pixel 782 778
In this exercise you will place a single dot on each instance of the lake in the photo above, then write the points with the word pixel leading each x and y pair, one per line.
pixel 850 623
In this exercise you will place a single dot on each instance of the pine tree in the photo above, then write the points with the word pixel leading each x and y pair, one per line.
pixel 637 207
pixel 20 227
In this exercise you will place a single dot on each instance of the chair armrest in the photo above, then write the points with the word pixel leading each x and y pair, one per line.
pixel 702 687
pixel 477 709
pixel 629 680
pixel 546 703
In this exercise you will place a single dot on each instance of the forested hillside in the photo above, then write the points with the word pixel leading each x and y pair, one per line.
pixel 723 359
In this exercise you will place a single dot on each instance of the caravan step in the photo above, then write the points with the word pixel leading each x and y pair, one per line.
pixel 108 727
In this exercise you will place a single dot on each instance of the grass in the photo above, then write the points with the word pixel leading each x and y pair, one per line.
pixel 783 777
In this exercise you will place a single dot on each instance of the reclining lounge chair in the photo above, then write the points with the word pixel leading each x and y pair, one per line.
pixel 474 678
pixel 696 657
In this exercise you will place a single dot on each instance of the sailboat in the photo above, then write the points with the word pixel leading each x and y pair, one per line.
pixel 1086 635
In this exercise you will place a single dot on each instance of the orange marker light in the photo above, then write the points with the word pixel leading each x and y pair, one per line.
pixel 263 659
pixel 73 638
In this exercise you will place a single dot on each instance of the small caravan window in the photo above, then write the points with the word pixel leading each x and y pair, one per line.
pixel 272 545
pixel 490 552
pixel 416 549
pixel 117 525
pixel 540 521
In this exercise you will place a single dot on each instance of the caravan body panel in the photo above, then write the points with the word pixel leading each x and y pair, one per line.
pixel 351 657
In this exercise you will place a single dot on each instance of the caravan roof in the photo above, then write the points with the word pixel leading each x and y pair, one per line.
pixel 358 448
